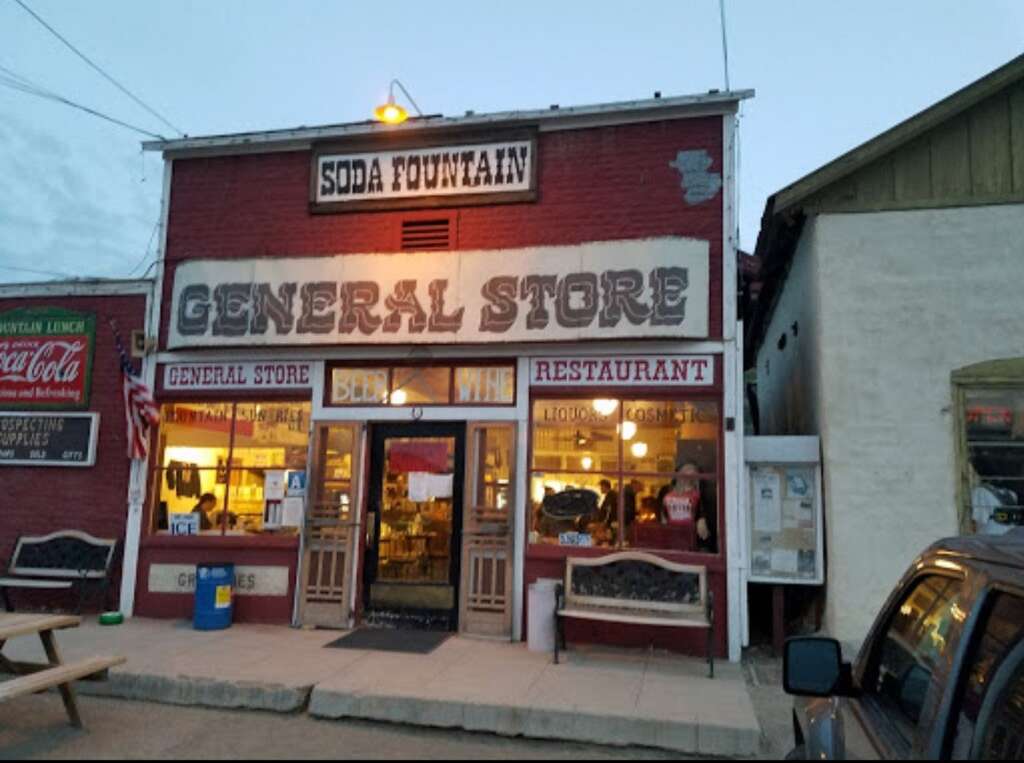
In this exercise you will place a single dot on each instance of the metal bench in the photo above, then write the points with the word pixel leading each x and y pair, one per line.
pixel 638 589
pixel 60 561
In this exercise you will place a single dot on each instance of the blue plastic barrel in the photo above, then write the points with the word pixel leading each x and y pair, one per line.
pixel 214 597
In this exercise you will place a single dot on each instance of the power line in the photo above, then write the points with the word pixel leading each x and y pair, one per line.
pixel 38 272
pixel 96 67
pixel 15 81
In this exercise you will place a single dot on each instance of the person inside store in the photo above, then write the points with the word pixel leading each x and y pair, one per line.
pixel 630 494
pixel 608 511
pixel 681 506
pixel 602 527
pixel 205 508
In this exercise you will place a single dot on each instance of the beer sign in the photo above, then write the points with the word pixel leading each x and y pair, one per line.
pixel 46 358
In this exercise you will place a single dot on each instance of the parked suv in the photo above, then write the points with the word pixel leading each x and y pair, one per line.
pixel 941 674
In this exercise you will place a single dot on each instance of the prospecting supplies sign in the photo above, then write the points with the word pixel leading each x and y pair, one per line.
pixel 46 358
pixel 448 174
pixel 48 439
pixel 654 288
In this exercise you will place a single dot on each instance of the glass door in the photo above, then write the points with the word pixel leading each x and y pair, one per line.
pixel 414 523
pixel 330 526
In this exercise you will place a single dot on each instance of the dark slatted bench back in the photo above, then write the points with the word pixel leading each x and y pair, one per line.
pixel 65 554
pixel 635 581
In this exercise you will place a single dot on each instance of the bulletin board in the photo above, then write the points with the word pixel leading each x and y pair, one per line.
pixel 785 528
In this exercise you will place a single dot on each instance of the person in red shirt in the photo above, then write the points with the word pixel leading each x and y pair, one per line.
pixel 682 508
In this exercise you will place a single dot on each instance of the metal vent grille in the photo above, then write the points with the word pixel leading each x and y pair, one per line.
pixel 426 234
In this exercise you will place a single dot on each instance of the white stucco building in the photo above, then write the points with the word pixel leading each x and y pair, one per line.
pixel 891 323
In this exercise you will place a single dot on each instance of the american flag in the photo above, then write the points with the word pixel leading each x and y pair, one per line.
pixel 140 410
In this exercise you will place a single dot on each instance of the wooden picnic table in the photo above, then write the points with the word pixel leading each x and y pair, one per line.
pixel 31 677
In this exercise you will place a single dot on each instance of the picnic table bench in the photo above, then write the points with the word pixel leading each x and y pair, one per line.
pixel 59 561
pixel 32 678
pixel 635 588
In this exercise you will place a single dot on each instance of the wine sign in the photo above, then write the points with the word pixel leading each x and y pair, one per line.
pixel 46 358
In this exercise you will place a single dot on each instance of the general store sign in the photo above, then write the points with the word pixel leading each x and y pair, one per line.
pixel 624 371
pixel 602 290
pixel 46 358
pixel 250 580
pixel 449 174
pixel 205 377
pixel 48 439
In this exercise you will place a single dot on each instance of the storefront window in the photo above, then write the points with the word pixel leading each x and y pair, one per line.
pixel 223 463
pixel 420 385
pixel 622 473
pixel 993 476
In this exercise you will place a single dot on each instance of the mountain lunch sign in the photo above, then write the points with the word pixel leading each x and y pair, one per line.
pixel 46 358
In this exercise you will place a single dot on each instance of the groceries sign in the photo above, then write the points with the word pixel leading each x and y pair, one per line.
pixel 46 358
pixel 425 176
pixel 655 288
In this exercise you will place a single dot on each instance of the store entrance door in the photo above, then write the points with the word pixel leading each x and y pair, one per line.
pixel 414 526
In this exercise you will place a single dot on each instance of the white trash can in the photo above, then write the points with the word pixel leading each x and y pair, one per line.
pixel 540 617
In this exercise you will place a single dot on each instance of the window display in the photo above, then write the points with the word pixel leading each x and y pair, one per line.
pixel 993 421
pixel 621 473
pixel 228 463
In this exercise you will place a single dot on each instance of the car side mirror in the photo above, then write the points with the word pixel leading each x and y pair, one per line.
pixel 813 667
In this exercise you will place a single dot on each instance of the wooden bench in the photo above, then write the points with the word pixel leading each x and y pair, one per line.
pixel 637 589
pixel 59 561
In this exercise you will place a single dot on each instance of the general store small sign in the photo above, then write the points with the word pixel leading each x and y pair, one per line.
pixel 46 358
pixel 652 288
pixel 425 176
pixel 205 377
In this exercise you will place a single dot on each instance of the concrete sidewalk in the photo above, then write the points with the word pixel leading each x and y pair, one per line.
pixel 601 696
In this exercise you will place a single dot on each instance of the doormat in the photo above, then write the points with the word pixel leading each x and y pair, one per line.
pixel 392 640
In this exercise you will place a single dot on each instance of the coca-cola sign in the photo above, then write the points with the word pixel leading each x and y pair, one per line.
pixel 46 358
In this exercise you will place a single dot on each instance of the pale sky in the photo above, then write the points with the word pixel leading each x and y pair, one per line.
pixel 77 197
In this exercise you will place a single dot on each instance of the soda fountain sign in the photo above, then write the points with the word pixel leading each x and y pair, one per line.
pixel 46 358
pixel 408 176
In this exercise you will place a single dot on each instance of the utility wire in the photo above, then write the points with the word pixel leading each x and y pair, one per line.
pixel 149 245
pixel 38 272
pixel 96 67
pixel 16 82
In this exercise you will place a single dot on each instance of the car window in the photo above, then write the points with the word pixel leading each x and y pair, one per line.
pixel 1002 733
pixel 1001 630
pixel 916 640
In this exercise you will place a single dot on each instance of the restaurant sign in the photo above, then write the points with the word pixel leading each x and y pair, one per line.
pixel 499 171
pixel 46 358
pixel 654 288
pixel 624 371
pixel 245 375
pixel 48 439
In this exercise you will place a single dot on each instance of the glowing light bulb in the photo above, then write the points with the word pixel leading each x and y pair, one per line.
pixel 398 397
pixel 587 463
pixel 605 407
pixel 638 449
pixel 628 430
